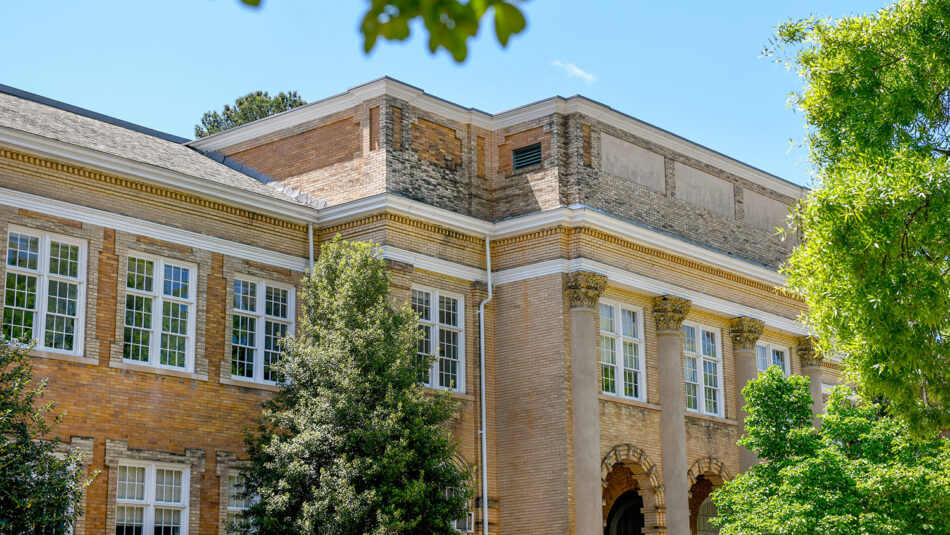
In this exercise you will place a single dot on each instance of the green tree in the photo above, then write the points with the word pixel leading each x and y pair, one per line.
pixel 860 473
pixel 351 445
pixel 250 107
pixel 39 492
pixel 449 23
pixel 874 264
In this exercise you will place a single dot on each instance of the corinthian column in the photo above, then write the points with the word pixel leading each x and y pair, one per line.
pixel 669 313
pixel 811 368
pixel 745 332
pixel 583 291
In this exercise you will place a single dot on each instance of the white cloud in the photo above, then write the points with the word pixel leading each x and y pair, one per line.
pixel 575 71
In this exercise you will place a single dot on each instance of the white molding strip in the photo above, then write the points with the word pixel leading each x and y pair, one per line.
pixel 625 279
pixel 42 146
pixel 435 265
pixel 92 216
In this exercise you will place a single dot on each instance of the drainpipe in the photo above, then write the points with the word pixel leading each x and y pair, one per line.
pixel 481 376
pixel 310 240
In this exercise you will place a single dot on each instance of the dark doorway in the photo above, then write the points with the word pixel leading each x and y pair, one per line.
pixel 625 517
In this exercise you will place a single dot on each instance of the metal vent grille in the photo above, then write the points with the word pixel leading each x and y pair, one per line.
pixel 526 156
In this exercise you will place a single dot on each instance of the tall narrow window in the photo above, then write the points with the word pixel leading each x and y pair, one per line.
pixel 441 320
pixel 44 290
pixel 621 351
pixel 159 312
pixel 702 358
pixel 768 355
pixel 236 501
pixel 262 317
pixel 151 499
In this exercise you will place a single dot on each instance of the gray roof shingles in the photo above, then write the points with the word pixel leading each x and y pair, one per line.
pixel 82 131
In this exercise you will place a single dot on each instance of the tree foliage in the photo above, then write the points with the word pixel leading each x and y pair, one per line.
pixel 874 264
pixel 449 23
pixel 860 473
pixel 250 107
pixel 351 445
pixel 39 492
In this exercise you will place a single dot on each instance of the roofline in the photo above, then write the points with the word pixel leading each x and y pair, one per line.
pixel 39 99
pixel 437 105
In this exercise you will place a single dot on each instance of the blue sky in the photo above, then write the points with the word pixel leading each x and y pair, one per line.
pixel 692 67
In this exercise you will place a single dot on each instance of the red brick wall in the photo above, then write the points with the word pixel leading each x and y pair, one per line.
pixel 374 128
pixel 314 149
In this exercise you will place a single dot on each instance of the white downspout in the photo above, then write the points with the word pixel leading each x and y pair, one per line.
pixel 310 241
pixel 481 376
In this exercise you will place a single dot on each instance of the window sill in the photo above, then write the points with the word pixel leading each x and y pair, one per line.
pixel 64 357
pixel 710 417
pixel 456 395
pixel 627 401
pixel 158 371
pixel 246 383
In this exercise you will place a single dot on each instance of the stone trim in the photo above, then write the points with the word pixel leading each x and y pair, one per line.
pixel 194 459
pixel 745 332
pixel 807 352
pixel 225 462
pixel 708 466
pixel 669 312
pixel 584 289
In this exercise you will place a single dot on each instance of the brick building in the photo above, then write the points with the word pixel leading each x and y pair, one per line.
pixel 613 259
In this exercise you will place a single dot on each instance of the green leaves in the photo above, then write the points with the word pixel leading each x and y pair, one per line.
pixel 450 23
pixel 246 109
pixel 860 472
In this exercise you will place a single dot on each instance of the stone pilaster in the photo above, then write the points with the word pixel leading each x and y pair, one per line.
pixel 669 313
pixel 745 332
pixel 811 368
pixel 583 291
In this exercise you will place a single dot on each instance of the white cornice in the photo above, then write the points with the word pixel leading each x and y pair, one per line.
pixel 42 146
pixel 156 231
pixel 435 265
pixel 387 202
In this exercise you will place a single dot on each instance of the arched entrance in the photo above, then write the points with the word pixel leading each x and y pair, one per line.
pixel 626 516
pixel 705 476
pixel 633 493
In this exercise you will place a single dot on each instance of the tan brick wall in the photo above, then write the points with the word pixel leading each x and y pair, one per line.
pixel 320 147
pixel 436 144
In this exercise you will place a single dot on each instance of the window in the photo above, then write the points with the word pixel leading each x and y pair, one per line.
pixel 621 351
pixel 465 524
pixel 44 291
pixel 768 355
pixel 441 318
pixel 159 313
pixel 525 157
pixel 702 358
pixel 262 316
pixel 236 501
pixel 151 499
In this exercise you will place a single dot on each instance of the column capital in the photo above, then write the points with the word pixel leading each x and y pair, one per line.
pixel 745 332
pixel 807 353
pixel 584 288
pixel 669 312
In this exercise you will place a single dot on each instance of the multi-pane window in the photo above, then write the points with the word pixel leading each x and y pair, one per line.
pixel 159 312
pixel 702 368
pixel 44 290
pixel 465 524
pixel 236 500
pixel 262 315
pixel 151 499
pixel 768 355
pixel 621 351
pixel 441 320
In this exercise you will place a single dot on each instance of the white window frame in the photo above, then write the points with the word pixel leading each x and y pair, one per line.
pixel 229 509
pixel 468 519
pixel 618 338
pixel 148 503
pixel 770 350
pixel 158 297
pixel 260 319
pixel 435 326
pixel 701 359
pixel 43 277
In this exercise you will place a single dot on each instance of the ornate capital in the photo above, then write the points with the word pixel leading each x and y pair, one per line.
pixel 669 312
pixel 584 288
pixel 807 353
pixel 745 332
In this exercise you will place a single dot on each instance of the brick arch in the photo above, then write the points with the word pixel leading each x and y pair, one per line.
pixel 632 466
pixel 710 468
